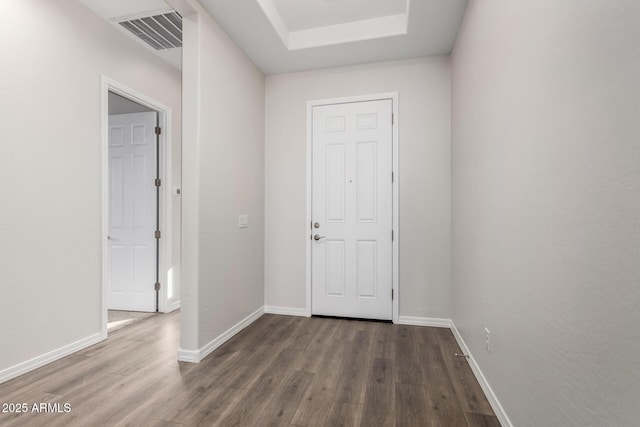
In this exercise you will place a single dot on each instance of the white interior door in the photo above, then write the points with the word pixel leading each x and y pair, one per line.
pixel 352 210
pixel 132 212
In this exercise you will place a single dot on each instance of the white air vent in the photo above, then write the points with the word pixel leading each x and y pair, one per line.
pixel 161 32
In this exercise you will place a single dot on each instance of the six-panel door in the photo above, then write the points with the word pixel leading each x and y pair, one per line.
pixel 352 204
pixel 132 212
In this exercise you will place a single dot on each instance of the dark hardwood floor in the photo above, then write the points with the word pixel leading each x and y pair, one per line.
pixel 279 371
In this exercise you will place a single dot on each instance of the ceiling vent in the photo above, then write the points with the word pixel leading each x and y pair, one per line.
pixel 161 32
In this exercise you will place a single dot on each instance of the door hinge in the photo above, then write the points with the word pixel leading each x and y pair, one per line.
pixel 157 286
pixel 392 293
pixel 158 182
pixel 391 176
pixel 392 118
pixel 392 235
pixel 158 234
pixel 158 130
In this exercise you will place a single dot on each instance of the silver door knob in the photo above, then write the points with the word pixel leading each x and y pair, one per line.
pixel 318 237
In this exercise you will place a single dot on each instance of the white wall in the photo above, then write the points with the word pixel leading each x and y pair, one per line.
pixel 546 185
pixel 50 170
pixel 423 86
pixel 223 266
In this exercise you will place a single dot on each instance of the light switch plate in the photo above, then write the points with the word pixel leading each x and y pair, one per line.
pixel 243 221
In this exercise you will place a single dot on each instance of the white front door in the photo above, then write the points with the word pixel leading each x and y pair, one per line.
pixel 132 212
pixel 352 210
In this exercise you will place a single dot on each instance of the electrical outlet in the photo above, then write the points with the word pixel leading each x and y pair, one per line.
pixel 487 340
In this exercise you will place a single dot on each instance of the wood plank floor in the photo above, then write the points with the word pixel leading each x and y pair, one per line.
pixel 279 371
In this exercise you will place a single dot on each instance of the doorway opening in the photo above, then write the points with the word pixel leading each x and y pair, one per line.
pixel 136 196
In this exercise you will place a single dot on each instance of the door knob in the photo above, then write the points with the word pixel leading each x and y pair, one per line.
pixel 318 237
pixel 316 225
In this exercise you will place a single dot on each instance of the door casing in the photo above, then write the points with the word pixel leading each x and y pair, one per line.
pixel 164 119
pixel 393 96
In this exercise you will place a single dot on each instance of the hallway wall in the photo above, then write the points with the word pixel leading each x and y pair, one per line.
pixel 223 265
pixel 546 225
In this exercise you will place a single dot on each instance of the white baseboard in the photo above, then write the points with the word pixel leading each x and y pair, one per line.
pixel 424 321
pixel 195 356
pixel 191 356
pixel 288 311
pixel 486 388
pixel 52 356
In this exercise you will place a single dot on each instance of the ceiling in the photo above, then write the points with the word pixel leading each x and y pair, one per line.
pixel 331 22
pixel 282 36
pixel 122 105
pixel 319 13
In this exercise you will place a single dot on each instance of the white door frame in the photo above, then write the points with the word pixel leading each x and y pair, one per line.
pixel 164 119
pixel 393 96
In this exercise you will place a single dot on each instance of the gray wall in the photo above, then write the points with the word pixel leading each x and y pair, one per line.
pixel 423 87
pixel 223 266
pixel 546 203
